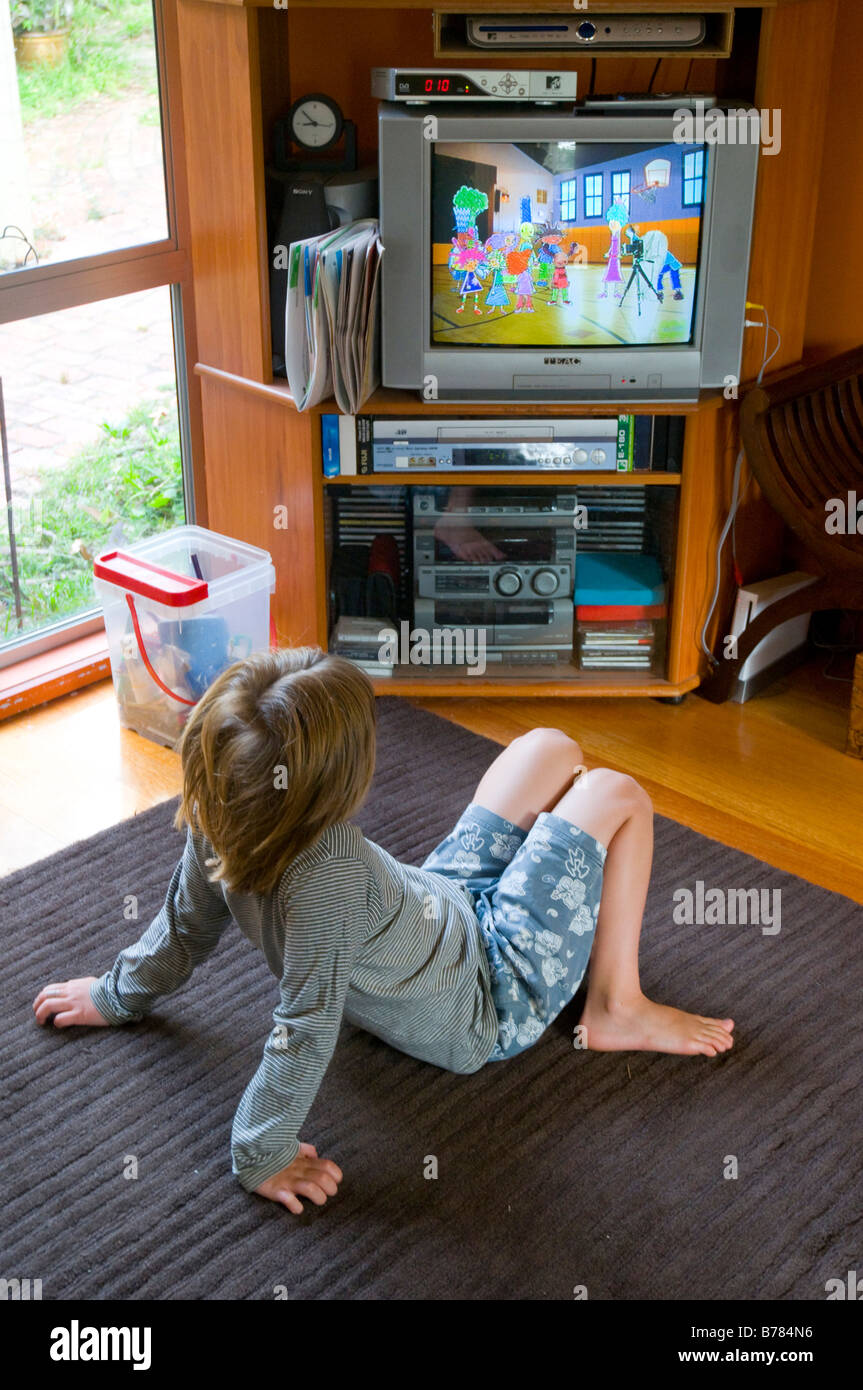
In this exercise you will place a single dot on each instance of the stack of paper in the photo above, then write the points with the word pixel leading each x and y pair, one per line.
pixel 331 318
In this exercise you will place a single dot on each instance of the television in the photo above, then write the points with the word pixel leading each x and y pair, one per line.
pixel 531 255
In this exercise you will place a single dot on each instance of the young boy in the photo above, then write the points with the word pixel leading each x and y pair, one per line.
pixel 464 961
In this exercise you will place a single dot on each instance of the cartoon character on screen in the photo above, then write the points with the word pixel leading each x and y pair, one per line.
pixel 576 251
pixel 670 266
pixel 527 237
pixel 545 258
pixel 617 218
pixel 471 262
pixel 659 262
pixel 560 280
pixel 497 297
pixel 509 242
pixel 518 264
pixel 460 242
pixel 467 205
pixel 501 241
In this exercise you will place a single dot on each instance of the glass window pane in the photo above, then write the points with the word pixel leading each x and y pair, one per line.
pixel 82 136
pixel 90 407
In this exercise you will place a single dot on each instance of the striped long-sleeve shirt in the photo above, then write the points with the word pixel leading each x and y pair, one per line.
pixel 349 932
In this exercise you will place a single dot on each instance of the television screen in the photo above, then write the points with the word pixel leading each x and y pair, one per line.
pixel 564 243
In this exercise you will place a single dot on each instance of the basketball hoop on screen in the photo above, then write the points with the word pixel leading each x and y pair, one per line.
pixel 657 174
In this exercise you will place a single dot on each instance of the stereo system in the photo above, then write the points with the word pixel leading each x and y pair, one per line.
pixel 500 560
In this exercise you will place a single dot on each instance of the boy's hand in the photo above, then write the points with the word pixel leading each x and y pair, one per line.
pixel 307 1176
pixel 70 1004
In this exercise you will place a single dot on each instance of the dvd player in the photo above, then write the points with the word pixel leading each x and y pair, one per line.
pixel 538 31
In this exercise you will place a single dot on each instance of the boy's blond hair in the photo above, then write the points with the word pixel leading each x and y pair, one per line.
pixel 279 748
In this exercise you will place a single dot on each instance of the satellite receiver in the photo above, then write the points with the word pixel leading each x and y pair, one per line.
pixel 415 86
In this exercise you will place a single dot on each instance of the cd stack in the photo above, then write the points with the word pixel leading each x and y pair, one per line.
pixel 616 518
pixel 362 640
pixel 603 646
pixel 619 611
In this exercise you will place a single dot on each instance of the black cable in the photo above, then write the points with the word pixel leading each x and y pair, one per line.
pixel 592 77
pixel 12 233
pixel 688 75
pixel 653 74
pixel 840 649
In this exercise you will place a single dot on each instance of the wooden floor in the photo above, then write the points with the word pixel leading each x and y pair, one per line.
pixel 768 777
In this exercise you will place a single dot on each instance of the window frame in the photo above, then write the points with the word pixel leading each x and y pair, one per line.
pixel 34 290
pixel 697 180
pixel 592 197
pixel 622 197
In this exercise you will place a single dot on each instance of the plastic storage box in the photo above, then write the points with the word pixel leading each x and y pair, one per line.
pixel 179 608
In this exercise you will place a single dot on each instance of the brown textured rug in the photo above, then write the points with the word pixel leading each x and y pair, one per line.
pixel 555 1170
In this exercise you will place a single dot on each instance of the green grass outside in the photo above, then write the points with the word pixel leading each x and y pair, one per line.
pixel 132 475
pixel 110 51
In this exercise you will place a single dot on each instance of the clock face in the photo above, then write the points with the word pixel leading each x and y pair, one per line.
pixel 315 122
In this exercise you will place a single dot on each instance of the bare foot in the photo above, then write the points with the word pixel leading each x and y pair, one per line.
pixel 640 1025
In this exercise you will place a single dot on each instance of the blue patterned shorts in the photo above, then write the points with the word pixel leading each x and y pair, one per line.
pixel 536 895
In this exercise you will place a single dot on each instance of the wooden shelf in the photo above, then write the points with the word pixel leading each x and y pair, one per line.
pixel 548 6
pixel 539 680
pixel 389 401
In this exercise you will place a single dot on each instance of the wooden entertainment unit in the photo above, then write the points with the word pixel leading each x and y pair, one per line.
pixel 241 65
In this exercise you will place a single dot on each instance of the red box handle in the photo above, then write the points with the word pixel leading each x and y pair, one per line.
pixel 146 660
pixel 150 581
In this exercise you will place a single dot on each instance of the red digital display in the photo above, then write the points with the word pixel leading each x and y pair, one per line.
pixel 433 84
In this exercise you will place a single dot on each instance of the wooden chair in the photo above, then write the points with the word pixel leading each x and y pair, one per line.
pixel 803 436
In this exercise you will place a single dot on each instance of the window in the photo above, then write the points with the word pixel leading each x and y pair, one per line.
pixel 84 164
pixel 567 200
pixel 93 444
pixel 93 402
pixel 593 195
pixel 693 178
pixel 620 183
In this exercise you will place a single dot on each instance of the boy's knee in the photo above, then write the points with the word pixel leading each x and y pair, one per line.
pixel 551 743
pixel 618 787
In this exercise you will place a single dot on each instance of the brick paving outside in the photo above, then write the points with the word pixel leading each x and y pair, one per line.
pixel 64 374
